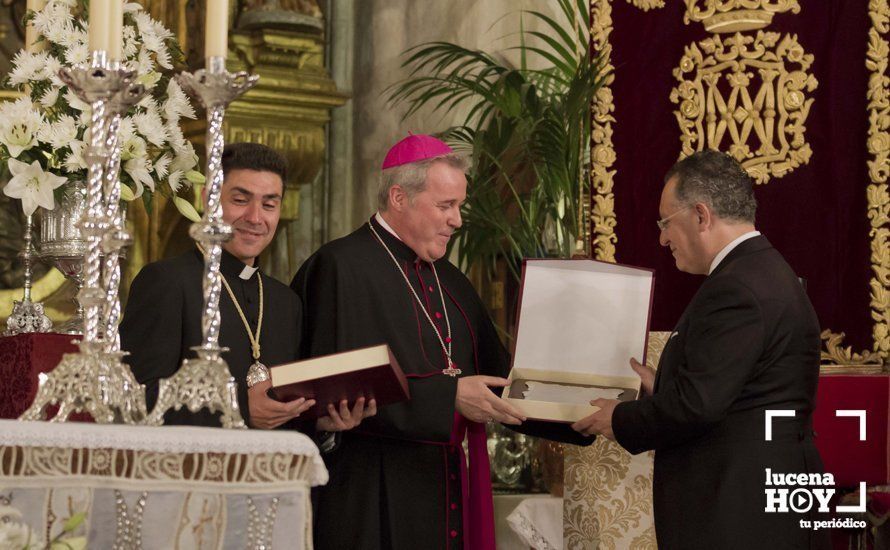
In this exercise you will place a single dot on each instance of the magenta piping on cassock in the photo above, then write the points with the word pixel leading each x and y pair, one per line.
pixel 476 483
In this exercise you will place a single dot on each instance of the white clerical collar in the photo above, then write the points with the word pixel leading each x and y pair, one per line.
pixel 728 248
pixel 247 272
pixel 386 226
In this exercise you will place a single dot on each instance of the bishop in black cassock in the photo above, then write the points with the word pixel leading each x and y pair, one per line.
pixel 399 480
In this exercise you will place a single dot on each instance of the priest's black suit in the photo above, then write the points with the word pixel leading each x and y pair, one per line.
pixel 162 322
pixel 395 481
pixel 747 342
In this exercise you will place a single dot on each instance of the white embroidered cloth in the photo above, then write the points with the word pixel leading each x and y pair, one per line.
pixel 538 522
pixel 164 439
pixel 150 488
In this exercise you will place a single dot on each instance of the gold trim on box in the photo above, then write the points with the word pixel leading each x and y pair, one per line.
pixel 602 153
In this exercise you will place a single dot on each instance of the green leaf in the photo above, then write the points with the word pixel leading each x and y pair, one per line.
pixel 74 522
pixel 528 132
pixel 74 543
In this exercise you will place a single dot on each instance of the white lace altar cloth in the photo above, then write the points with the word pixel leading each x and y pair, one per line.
pixel 173 487
pixel 538 522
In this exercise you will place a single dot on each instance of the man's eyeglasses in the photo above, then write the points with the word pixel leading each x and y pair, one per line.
pixel 663 222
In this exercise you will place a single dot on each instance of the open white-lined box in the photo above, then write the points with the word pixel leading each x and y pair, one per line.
pixel 579 323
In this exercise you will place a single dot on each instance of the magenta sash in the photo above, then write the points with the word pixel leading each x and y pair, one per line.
pixel 478 507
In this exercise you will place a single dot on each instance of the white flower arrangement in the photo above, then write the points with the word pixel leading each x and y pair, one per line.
pixel 43 136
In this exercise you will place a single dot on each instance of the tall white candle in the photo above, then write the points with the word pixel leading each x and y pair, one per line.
pixel 100 19
pixel 216 28
pixel 116 30
pixel 31 43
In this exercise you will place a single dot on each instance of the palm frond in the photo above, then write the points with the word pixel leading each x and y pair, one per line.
pixel 527 130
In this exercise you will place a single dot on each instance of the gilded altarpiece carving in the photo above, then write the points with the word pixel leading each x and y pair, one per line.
pixel 284 43
pixel 288 110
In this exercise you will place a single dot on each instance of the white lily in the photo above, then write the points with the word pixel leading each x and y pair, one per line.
pixel 19 124
pixel 140 171
pixel 56 125
pixel 133 147
pixel 32 185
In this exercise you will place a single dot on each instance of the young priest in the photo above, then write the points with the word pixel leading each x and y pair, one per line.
pixel 259 316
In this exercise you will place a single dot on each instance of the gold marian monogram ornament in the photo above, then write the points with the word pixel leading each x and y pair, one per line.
pixel 745 94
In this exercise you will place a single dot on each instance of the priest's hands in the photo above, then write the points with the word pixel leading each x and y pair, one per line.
pixel 344 419
pixel 646 373
pixel 600 422
pixel 478 403
pixel 267 413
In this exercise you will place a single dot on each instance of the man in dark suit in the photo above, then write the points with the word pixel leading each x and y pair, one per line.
pixel 162 320
pixel 747 343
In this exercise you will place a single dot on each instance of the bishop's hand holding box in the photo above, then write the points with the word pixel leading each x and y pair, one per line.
pixel 372 373
pixel 579 322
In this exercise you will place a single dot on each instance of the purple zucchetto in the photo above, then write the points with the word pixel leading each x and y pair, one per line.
pixel 414 148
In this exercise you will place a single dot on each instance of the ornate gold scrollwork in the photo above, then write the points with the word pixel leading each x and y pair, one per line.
pixel 722 16
pixel 602 155
pixel 839 359
pixel 773 115
pixel 878 172
pixel 647 5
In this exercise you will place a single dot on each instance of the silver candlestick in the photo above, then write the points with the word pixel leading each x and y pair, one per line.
pixel 116 236
pixel 205 382
pixel 95 380
pixel 27 316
